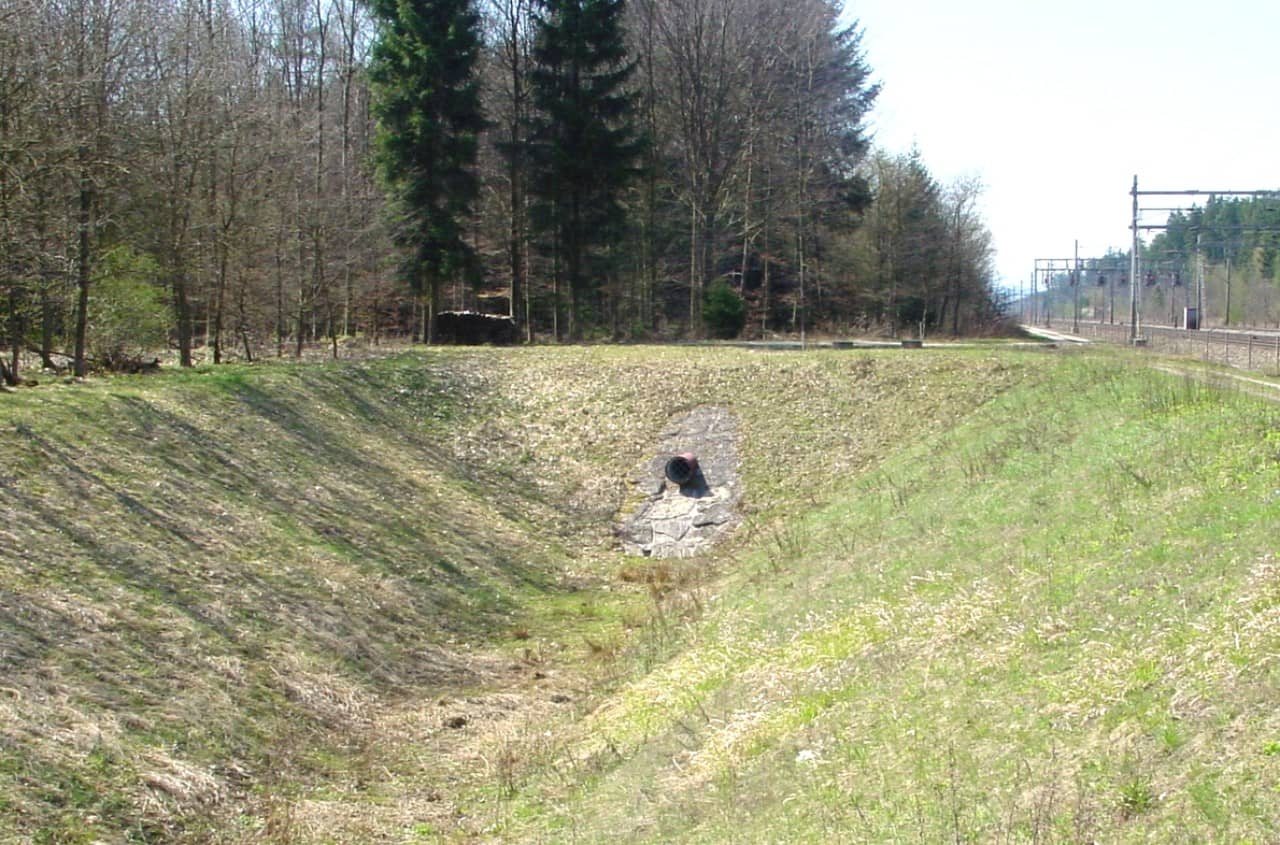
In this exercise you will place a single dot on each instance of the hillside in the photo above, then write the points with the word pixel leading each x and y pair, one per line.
pixel 976 595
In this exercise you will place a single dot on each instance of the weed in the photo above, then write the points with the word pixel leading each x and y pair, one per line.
pixel 1129 470
pixel 659 576
pixel 974 467
pixel 1171 737
pixel 1208 800
pixel 789 542
pixel 899 494
pixel 505 765
pixel 1134 796
pixel 603 649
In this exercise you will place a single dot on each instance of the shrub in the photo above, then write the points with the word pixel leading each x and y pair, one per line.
pixel 128 319
pixel 723 311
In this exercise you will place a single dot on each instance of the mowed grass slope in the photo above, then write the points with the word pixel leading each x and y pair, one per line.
pixel 220 587
pixel 978 596
pixel 210 577
pixel 1057 620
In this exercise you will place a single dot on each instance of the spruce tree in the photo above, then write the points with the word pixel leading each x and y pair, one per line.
pixel 583 144
pixel 427 102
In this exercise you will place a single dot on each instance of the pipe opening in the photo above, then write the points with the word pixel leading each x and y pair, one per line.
pixel 682 468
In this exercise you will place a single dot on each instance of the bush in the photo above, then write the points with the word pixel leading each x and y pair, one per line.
pixel 128 319
pixel 723 311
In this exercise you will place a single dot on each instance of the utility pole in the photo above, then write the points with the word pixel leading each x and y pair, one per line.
pixel 1133 269
pixel 1048 301
pixel 1075 291
pixel 1111 301
pixel 1226 315
pixel 1199 283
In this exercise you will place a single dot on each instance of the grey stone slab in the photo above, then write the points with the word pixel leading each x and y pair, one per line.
pixel 717 514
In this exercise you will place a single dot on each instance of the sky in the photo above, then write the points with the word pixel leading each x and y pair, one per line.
pixel 1056 106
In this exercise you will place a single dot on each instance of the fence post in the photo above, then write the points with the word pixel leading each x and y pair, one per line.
pixel 1250 365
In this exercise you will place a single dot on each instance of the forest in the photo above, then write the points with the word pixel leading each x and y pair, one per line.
pixel 204 180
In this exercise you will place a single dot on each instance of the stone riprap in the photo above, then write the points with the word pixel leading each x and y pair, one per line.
pixel 684 521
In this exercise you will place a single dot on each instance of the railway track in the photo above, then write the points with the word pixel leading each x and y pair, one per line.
pixel 1255 349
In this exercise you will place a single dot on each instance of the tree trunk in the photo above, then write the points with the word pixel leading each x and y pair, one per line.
pixel 47 324
pixel 16 331
pixel 182 308
pixel 279 268
pixel 432 308
pixel 83 268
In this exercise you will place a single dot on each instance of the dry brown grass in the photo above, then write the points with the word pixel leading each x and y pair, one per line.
pixel 247 599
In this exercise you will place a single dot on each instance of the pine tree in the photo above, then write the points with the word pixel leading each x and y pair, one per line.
pixel 583 144
pixel 427 101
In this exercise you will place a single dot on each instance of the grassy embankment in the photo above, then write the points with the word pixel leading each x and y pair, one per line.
pixel 980 596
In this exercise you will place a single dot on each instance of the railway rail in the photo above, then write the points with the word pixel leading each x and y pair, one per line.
pixel 1256 349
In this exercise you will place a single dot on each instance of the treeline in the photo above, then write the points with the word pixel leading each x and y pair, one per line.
pixel 200 174
pixel 1233 245
pixel 1220 259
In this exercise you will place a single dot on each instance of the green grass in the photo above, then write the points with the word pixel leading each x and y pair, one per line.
pixel 979 595
pixel 1053 622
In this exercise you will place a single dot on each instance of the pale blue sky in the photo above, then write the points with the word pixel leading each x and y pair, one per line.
pixel 1057 106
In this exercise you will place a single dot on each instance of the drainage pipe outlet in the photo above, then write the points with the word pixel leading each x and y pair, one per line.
pixel 682 468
